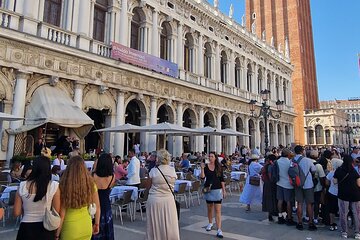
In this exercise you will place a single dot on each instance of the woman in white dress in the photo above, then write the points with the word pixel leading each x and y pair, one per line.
pixel 162 220
pixel 252 194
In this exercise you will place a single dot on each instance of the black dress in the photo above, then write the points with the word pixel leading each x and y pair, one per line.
pixel 269 201
pixel 106 221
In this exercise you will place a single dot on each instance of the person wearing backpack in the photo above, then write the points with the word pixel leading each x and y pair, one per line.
pixel 319 183
pixel 284 190
pixel 304 186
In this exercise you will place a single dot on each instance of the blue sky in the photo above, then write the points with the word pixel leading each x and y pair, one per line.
pixel 336 30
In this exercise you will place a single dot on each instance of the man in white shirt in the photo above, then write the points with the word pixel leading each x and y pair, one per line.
pixel 305 193
pixel 355 153
pixel 59 161
pixel 284 191
pixel 133 170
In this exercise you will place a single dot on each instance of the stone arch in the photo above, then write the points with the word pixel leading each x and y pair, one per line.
pixel 169 112
pixel 252 131
pixel 280 134
pixel 193 116
pixel 225 121
pixel 6 89
pixel 319 134
pixel 142 105
pixel 37 82
pixel 209 119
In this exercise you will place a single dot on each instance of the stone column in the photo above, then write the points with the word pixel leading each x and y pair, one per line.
pixel 179 122
pixel 201 56
pixel 218 126
pixel 217 63
pixel 254 79
pixel 68 16
pixel 84 18
pixel 18 109
pixel 243 77
pixel 78 94
pixel 180 47
pixel 231 70
pixel 155 34
pixel 153 120
pixel 10 5
pixel 124 23
pixel 233 139
pixel 113 24
pixel 276 143
pixel 31 9
pixel 200 139
pixel 119 120
pixel 246 131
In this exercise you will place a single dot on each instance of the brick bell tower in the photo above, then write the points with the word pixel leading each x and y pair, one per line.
pixel 290 20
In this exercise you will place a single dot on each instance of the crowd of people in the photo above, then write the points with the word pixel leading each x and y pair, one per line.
pixel 317 185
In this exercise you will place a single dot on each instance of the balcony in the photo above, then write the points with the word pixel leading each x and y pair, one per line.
pixel 14 21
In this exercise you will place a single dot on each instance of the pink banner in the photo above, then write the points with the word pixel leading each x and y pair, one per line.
pixel 141 59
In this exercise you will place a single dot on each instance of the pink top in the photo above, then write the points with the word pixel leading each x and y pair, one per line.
pixel 120 172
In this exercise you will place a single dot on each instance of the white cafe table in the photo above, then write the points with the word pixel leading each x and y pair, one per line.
pixel 89 164
pixel 118 191
pixel 177 182
pixel 236 175
pixel 6 193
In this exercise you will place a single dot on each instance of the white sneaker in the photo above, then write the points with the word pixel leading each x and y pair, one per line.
pixel 209 227
pixel 357 235
pixel 219 234
pixel 344 235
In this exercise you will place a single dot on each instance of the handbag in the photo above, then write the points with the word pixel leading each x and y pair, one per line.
pixel 206 189
pixel 254 180
pixel 52 218
pixel 177 204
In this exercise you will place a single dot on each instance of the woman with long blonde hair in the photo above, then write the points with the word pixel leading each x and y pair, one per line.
pixel 79 192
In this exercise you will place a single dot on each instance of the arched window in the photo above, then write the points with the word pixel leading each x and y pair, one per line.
pixel 357 118
pixel 237 73
pixel 207 60
pixel 328 137
pixel 353 117
pixel 52 12
pixel 311 136
pixel 259 83
pixel 189 53
pixel 248 78
pixel 100 10
pixel 284 92
pixel 319 134
pixel 138 30
pixel 223 67
pixel 165 41
pixel 277 89
pixel 268 84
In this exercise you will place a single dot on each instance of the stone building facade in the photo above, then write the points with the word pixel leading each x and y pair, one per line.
pixel 67 44
pixel 352 109
pixel 287 26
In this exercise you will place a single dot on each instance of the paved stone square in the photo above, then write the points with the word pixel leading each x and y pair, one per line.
pixel 237 224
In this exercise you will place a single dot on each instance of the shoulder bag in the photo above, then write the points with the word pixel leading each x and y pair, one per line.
pixel 177 204
pixel 52 218
pixel 254 180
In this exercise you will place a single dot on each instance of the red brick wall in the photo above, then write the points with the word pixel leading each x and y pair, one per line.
pixel 285 18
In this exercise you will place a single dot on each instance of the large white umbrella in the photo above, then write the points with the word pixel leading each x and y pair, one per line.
pixel 125 128
pixel 166 128
pixel 232 132
pixel 9 117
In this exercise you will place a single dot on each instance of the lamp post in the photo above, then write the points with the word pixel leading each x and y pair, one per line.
pixel 348 131
pixel 266 112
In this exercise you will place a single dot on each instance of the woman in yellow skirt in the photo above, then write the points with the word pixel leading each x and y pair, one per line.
pixel 79 191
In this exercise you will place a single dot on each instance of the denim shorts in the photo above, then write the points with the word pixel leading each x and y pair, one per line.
pixel 214 196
